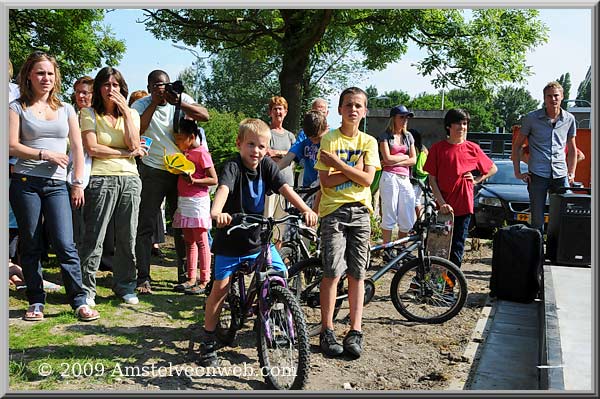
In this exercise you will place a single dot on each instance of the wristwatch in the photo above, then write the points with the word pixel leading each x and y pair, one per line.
pixel 78 182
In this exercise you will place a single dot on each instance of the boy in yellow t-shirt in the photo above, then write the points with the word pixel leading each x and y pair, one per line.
pixel 348 159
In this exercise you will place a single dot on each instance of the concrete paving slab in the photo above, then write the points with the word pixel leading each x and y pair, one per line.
pixel 509 355
pixel 573 296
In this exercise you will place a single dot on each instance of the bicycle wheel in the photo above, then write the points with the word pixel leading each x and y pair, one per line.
pixel 289 254
pixel 231 317
pixel 283 346
pixel 304 281
pixel 435 297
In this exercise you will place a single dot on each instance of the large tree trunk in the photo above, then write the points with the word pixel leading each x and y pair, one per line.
pixel 290 80
pixel 303 29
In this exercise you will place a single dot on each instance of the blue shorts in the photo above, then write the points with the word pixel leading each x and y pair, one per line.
pixel 225 266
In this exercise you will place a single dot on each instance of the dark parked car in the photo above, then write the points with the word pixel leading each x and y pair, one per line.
pixel 500 201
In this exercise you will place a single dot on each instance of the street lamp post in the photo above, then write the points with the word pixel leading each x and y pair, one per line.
pixel 373 98
pixel 191 50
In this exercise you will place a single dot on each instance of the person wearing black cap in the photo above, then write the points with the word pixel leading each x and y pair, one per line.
pixel 398 154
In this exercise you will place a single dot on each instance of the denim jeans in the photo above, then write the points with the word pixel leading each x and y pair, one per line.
pixel 459 236
pixel 156 185
pixel 108 197
pixel 538 188
pixel 31 199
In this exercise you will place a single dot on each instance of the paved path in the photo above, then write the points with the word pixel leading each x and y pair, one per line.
pixel 573 295
pixel 508 356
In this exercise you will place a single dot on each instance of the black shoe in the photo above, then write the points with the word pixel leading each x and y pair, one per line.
pixel 208 354
pixel 157 252
pixel 353 343
pixel 388 254
pixel 329 344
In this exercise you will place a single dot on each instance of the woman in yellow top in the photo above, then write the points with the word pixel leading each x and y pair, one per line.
pixel 111 136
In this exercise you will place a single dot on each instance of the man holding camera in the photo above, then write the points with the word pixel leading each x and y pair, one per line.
pixel 157 113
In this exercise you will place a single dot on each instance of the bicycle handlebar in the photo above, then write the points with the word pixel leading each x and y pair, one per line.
pixel 257 220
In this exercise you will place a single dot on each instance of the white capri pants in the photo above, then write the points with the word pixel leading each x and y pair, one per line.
pixel 397 202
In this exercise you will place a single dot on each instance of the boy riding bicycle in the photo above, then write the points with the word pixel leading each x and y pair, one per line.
pixel 347 163
pixel 243 182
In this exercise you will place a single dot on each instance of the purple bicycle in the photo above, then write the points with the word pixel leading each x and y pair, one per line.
pixel 282 339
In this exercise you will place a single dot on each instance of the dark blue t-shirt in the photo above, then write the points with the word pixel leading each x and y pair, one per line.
pixel 247 190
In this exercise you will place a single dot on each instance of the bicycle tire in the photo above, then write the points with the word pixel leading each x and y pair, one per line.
pixel 304 280
pixel 231 317
pixel 428 299
pixel 289 254
pixel 284 316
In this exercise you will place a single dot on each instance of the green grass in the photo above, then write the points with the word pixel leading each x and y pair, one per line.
pixel 158 329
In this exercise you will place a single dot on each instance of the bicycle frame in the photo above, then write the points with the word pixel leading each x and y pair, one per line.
pixel 264 276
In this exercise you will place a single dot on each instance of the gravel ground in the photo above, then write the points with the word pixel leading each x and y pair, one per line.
pixel 398 355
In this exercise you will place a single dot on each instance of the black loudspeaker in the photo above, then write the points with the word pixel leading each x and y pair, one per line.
pixel 570 229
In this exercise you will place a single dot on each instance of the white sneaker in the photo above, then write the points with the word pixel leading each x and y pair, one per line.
pixel 131 299
pixel 90 302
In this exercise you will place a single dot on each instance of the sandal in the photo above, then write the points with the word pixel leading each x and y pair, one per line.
pixel 195 290
pixel 144 289
pixel 183 287
pixel 85 313
pixel 35 312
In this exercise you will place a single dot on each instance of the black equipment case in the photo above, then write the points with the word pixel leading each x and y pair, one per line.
pixel 570 227
pixel 517 263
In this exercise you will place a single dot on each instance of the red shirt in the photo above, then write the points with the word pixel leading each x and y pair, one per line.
pixel 448 163
pixel 201 158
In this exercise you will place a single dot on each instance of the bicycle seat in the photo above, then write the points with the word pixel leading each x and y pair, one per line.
pixel 246 267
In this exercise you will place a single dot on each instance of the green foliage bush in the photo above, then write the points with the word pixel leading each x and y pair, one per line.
pixel 221 132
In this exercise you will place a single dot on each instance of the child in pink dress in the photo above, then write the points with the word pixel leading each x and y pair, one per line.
pixel 193 206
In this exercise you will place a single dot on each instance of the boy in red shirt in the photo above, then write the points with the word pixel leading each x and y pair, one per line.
pixel 450 163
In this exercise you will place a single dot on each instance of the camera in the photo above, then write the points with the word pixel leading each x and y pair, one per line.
pixel 174 88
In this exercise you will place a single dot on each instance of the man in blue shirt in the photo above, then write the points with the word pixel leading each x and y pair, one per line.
pixel 548 130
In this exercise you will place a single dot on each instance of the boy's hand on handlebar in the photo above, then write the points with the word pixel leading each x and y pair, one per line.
pixel 222 219
pixel 446 208
pixel 310 218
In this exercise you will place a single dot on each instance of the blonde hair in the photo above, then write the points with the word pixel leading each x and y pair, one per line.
pixel 253 125
pixel 277 100
pixel 553 85
pixel 25 85
pixel 10 70
pixel 136 95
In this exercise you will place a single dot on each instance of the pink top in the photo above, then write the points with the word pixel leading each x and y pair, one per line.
pixel 399 170
pixel 201 158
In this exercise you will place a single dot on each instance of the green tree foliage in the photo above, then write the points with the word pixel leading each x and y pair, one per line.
pixel 221 131
pixel 190 77
pixel 430 102
pixel 394 97
pixel 487 49
pixel 565 82
pixel 371 91
pixel 512 103
pixel 480 107
pixel 75 37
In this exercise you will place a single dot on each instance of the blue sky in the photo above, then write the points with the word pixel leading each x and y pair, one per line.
pixel 569 49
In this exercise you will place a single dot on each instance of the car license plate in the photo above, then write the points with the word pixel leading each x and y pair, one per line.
pixel 524 217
